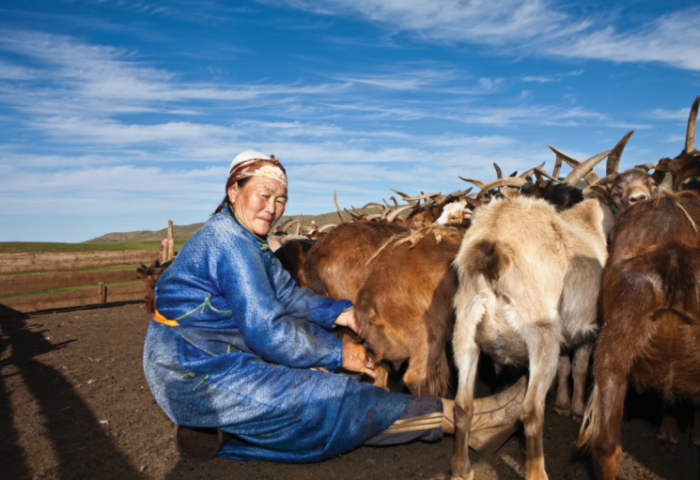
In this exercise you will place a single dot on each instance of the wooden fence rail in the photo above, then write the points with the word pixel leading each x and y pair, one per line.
pixel 53 262
pixel 66 264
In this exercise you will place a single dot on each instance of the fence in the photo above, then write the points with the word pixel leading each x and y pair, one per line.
pixel 63 274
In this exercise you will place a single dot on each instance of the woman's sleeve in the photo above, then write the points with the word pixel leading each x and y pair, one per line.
pixel 302 302
pixel 267 328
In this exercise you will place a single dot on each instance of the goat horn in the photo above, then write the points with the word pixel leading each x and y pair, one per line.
pixel 591 177
pixel 286 225
pixel 574 177
pixel 396 204
pixel 557 166
pixel 502 182
pixel 373 216
pixel 460 193
pixel 531 171
pixel 690 133
pixel 374 204
pixel 352 215
pixel 420 197
pixel 392 216
pixel 667 183
pixel 614 157
pixel 646 166
pixel 335 200
pixel 330 225
pixel 298 230
pixel 546 175
pixel 476 182
pixel 404 196
pixel 499 173
pixel 357 212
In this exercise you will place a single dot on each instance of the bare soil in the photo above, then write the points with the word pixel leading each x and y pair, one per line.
pixel 74 404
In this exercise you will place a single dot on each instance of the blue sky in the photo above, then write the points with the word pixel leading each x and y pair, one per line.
pixel 119 115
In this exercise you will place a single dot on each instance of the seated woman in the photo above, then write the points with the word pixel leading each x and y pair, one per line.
pixel 237 346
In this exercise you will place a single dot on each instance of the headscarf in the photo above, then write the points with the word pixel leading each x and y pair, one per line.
pixel 254 164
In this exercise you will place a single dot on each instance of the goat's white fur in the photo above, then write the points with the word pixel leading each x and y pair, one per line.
pixel 543 297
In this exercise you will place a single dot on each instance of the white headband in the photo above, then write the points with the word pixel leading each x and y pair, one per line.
pixel 243 163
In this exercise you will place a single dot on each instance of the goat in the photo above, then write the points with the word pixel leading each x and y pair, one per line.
pixel 150 276
pixel 523 293
pixel 651 332
pixel 669 284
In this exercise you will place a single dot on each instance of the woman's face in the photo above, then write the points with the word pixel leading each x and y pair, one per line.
pixel 259 204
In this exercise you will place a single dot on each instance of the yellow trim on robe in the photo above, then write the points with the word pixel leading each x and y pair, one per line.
pixel 161 319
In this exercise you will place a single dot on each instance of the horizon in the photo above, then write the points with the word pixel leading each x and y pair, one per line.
pixel 121 115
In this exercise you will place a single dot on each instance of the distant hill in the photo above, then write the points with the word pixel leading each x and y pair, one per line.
pixel 181 233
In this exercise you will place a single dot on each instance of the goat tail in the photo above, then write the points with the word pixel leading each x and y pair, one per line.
pixel 489 259
pixel 590 426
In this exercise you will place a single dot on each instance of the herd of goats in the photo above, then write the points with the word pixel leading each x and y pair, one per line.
pixel 532 270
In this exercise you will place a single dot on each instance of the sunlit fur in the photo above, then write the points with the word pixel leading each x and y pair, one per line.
pixel 528 283
pixel 403 297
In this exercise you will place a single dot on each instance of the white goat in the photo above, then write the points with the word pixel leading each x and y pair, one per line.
pixel 528 284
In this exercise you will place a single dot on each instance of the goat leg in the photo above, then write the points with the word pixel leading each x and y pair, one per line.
pixel 562 405
pixel 581 359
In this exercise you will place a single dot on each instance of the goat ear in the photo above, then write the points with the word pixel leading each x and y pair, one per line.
pixel 598 191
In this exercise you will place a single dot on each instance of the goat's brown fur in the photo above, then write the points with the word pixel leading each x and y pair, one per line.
pixel 651 309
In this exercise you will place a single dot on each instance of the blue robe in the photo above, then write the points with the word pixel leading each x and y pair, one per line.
pixel 241 354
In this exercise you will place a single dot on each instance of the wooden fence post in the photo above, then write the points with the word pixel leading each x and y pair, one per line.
pixel 171 241
pixel 102 292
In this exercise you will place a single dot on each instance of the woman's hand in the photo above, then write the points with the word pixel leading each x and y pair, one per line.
pixel 348 319
pixel 355 359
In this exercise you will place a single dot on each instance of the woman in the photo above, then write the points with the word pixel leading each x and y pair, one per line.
pixel 237 346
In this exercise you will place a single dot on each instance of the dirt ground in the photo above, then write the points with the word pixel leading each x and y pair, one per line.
pixel 74 404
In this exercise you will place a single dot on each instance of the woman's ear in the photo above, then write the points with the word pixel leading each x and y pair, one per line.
pixel 232 192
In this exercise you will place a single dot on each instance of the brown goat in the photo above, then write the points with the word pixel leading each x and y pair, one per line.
pixel 150 276
pixel 650 298
pixel 402 296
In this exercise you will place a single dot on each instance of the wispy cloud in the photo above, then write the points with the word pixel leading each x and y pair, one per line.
pixel 530 27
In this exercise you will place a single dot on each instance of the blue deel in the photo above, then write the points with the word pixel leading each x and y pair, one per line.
pixel 240 359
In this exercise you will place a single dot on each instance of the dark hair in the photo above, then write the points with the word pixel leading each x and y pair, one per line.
pixel 229 183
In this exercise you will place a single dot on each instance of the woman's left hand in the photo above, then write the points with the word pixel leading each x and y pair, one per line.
pixel 348 319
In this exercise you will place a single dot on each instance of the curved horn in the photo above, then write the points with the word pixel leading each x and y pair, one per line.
pixel 374 204
pixel 392 216
pixel 298 229
pixel 396 204
pixel 335 200
pixel 476 182
pixel 646 166
pixel 690 133
pixel 614 157
pixel 460 193
pixel 531 171
pixel 404 196
pixel 330 225
pixel 574 177
pixel 513 174
pixel 352 215
pixel 499 173
pixel 420 197
pixel 373 216
pixel 606 180
pixel 591 177
pixel 546 175
pixel 502 182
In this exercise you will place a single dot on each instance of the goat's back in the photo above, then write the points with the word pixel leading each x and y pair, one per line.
pixel 336 265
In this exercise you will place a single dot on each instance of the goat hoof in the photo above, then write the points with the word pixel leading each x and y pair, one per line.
pixel 563 411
